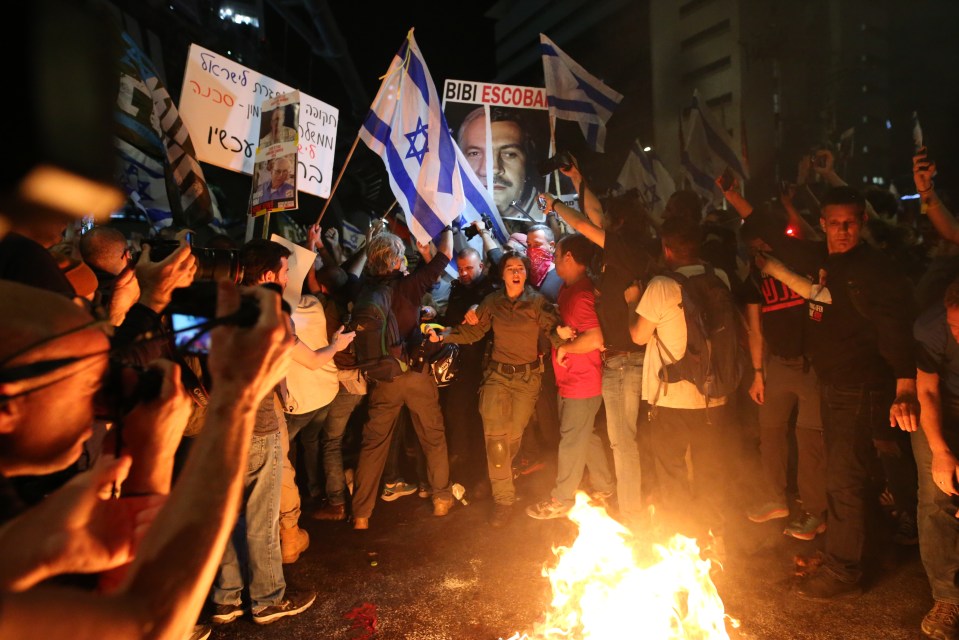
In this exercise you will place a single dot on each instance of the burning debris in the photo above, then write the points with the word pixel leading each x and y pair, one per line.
pixel 605 586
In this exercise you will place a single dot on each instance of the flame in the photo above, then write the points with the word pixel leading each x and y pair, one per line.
pixel 606 587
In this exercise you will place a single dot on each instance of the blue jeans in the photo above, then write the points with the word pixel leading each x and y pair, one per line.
pixel 622 388
pixel 579 448
pixel 260 521
pixel 308 425
pixel 850 413
pixel 337 416
pixel 938 525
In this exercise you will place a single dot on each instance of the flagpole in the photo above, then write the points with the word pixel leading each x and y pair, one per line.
pixel 552 150
pixel 338 178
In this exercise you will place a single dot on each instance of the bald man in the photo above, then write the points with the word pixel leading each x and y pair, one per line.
pixel 278 188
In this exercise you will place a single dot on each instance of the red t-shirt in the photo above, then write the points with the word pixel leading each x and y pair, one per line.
pixel 582 377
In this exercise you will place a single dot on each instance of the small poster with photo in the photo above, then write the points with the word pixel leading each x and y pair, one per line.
pixel 274 170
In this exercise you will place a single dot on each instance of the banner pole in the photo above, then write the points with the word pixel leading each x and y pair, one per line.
pixel 552 152
pixel 266 226
pixel 338 178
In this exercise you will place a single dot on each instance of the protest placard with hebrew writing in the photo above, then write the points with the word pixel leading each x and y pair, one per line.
pixel 221 103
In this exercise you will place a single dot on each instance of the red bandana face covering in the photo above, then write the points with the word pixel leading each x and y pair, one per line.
pixel 540 260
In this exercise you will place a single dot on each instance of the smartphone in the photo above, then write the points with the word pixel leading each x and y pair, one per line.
pixel 192 340
pixel 821 160
pixel 726 180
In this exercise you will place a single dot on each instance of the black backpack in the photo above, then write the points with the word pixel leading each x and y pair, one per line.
pixel 715 334
pixel 378 349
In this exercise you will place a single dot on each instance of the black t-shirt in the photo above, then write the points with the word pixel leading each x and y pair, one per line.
pixel 624 261
pixel 864 335
pixel 782 312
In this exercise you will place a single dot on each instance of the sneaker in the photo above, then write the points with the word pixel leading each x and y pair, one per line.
pixel 769 511
pixel 441 506
pixel 334 512
pixel 823 586
pixel 805 527
pixel 397 490
pixel 526 467
pixel 907 532
pixel 500 515
pixel 294 603
pixel 423 491
pixel 600 496
pixel 200 632
pixel 547 510
pixel 226 613
pixel 942 621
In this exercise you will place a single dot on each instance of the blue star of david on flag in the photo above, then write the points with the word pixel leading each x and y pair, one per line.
pixel 421 128
pixel 428 174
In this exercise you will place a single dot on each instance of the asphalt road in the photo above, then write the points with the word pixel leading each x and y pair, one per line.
pixel 455 578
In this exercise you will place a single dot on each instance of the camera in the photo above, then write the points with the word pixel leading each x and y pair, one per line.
pixel 211 264
pixel 192 314
pixel 562 160
pixel 470 231
pixel 124 387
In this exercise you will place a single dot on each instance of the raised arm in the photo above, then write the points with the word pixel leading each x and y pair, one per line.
pixel 579 222
pixel 587 199
pixel 923 171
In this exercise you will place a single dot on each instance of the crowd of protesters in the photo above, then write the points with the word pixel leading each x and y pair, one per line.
pixel 578 339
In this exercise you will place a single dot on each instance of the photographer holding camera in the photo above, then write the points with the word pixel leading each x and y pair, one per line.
pixel 51 362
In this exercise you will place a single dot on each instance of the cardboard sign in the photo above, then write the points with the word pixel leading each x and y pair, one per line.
pixel 221 103
pixel 301 260
pixel 274 177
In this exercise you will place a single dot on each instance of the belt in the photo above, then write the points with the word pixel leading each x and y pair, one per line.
pixel 608 354
pixel 510 369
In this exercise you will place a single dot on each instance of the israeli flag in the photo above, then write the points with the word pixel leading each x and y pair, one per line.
pixel 645 172
pixel 428 173
pixel 352 237
pixel 707 151
pixel 573 93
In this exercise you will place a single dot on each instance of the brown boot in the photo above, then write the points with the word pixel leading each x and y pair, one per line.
pixel 335 512
pixel 293 542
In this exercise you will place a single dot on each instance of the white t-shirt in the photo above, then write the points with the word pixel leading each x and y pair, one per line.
pixel 661 305
pixel 309 389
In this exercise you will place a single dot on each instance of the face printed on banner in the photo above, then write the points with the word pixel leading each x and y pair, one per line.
pixel 280 173
pixel 277 120
pixel 509 159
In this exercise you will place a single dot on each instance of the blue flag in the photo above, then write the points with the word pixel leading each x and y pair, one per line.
pixel 428 173
pixel 644 171
pixel 707 151
pixel 573 93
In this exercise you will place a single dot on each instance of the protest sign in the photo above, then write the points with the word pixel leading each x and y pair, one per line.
pixel 274 180
pixel 300 262
pixel 220 104
pixel 503 131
